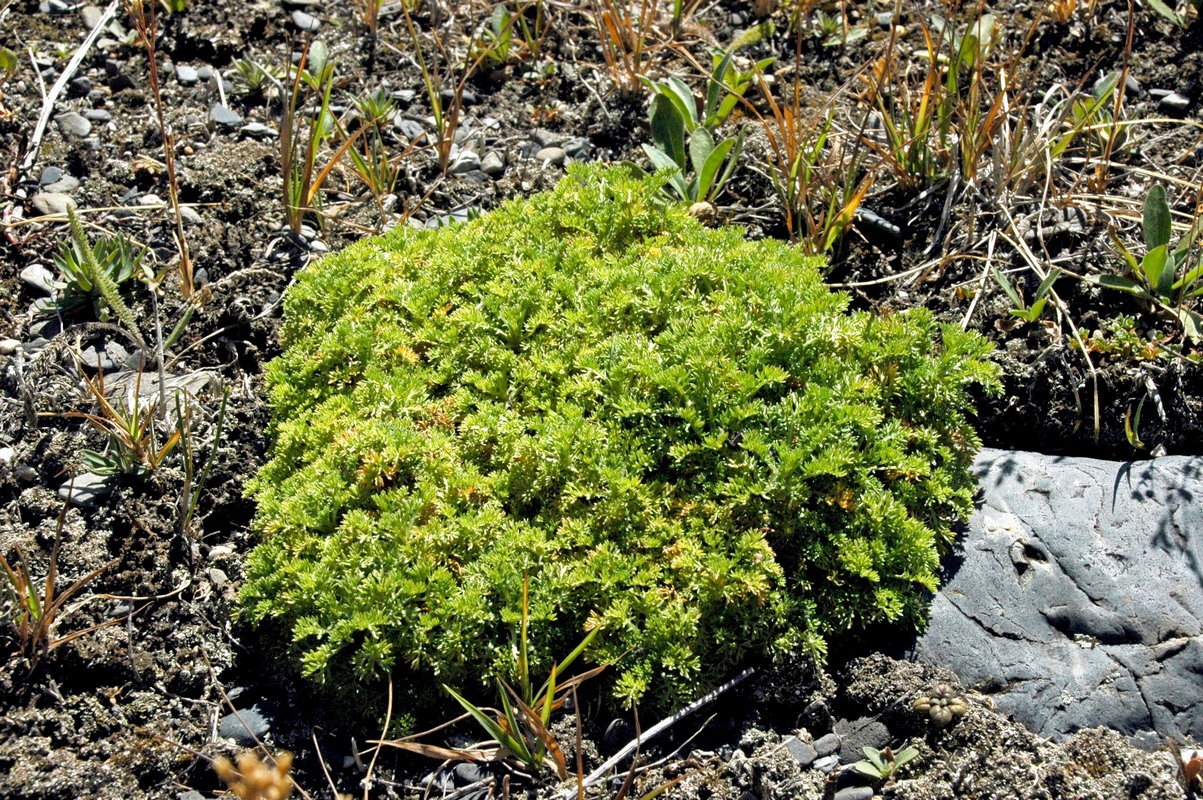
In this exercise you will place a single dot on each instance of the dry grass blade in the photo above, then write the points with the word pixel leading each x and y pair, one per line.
pixel 35 616
pixel 444 753
pixel 541 733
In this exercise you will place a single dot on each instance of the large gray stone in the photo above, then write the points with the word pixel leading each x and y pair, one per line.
pixel 1075 599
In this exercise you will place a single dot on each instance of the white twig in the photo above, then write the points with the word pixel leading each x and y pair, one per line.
pixel 661 726
pixel 39 130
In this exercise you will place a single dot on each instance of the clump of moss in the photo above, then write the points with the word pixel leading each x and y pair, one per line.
pixel 681 436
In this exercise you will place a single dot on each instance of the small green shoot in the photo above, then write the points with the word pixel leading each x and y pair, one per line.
pixel 96 270
pixel 1019 308
pixel 1164 277
pixel 881 765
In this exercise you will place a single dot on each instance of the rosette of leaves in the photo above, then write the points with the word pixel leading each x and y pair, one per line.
pixel 683 437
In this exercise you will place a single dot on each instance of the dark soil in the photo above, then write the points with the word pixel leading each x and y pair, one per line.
pixel 134 709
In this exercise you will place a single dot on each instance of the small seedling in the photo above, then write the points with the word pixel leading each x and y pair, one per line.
pixel 881 765
pixel 33 614
pixel 1027 313
pixel 1163 277
pixel 94 271
pixel 942 705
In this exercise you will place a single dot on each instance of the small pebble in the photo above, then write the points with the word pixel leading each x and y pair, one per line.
pixel 98 115
pixel 50 175
pixel 85 490
pixel 217 577
pixel 826 745
pixel 37 277
pixel 63 185
pixel 8 346
pixel 492 165
pixel 803 752
pixel 186 75
pixel 72 124
pixel 252 725
pixel 91 16
pixel 1173 105
pixel 190 215
pixel 551 155
pixel 257 130
pixel 224 116
pixel 466 162
pixel 306 22
pixel 25 473
pixel 855 793
pixel 826 764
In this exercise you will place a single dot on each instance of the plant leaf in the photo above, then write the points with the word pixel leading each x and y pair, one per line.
pixel 668 129
pixel 1156 218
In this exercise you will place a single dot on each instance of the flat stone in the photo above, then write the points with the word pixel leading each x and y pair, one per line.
pixel 49 176
pixel 855 793
pixel 855 735
pixel 98 115
pixel 305 22
pixel 90 16
pixel 38 278
pixel 9 346
pixel 190 215
pixel 466 162
pixel 1173 104
pixel 826 764
pixel 186 75
pixel 826 745
pixel 50 203
pixel 224 117
pixel 803 752
pixel 492 165
pixel 85 490
pixel 257 130
pixel 63 185
pixel 218 577
pixel 1076 596
pixel 551 155
pixel 71 123
pixel 245 726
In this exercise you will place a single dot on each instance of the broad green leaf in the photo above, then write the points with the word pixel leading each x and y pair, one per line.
pixel 1153 267
pixel 707 189
pixel 1156 218
pixel 1017 303
pixel 668 129
pixel 683 99
pixel 701 145
pixel 1116 282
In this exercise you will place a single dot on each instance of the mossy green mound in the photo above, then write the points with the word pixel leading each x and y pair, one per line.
pixel 681 436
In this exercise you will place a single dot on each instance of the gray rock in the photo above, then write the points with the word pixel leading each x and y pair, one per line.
pixel 492 165
pixel 48 203
pixel 85 490
pixel 63 185
pixel 38 278
pixel 859 734
pixel 826 745
pixel 577 147
pixel 191 794
pixel 91 16
pixel 826 764
pixel 98 115
pixel 244 726
pixel 190 215
pixel 1078 597
pixel 855 793
pixel 257 130
pixel 803 752
pixel 551 155
pixel 9 346
pixel 466 162
pixel 218 577
pixel 71 123
pixel 411 129
pixel 205 73
pixel 469 773
pixel 50 175
pixel 1173 105
pixel 224 116
pixel 306 22
pixel 546 138
pixel 186 75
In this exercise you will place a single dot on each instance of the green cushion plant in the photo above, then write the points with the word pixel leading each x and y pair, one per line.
pixel 681 436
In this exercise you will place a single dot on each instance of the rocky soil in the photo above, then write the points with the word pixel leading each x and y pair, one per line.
pixel 140 706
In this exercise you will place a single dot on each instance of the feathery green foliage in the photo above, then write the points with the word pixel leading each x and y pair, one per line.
pixel 684 438
pixel 81 266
